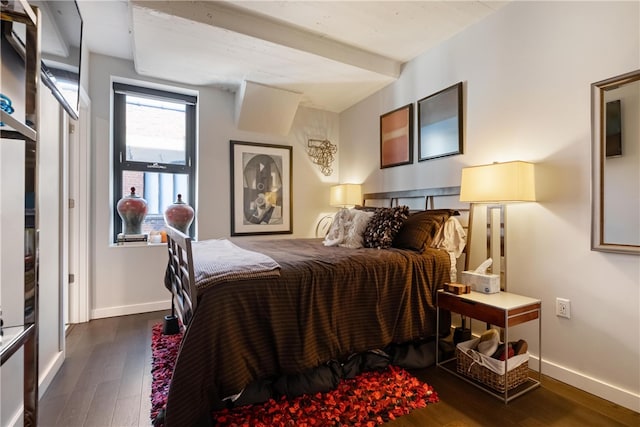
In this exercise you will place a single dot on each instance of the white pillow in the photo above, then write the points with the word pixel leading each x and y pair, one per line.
pixel 354 234
pixel 451 237
pixel 337 232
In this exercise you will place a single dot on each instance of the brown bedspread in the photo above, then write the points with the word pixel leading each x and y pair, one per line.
pixel 328 303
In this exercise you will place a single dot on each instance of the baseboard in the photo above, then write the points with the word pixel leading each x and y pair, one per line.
pixel 49 373
pixel 617 395
pixel 124 310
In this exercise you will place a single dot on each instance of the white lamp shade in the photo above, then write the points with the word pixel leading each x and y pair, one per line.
pixel 498 182
pixel 345 195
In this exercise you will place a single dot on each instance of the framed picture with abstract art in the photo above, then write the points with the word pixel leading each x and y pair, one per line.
pixel 396 137
pixel 440 124
pixel 260 189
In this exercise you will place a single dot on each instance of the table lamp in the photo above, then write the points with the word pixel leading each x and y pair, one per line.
pixel 341 196
pixel 497 184
pixel 345 195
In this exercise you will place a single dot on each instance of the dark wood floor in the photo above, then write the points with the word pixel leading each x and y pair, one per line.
pixel 106 381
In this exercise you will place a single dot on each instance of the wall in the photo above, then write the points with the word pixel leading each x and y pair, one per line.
pixel 129 280
pixel 527 71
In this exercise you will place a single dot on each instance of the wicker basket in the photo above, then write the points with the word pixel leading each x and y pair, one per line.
pixel 470 364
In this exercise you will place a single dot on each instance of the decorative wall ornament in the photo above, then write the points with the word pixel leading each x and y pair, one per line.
pixel 322 153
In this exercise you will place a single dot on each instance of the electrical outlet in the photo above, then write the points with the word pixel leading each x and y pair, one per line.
pixel 563 308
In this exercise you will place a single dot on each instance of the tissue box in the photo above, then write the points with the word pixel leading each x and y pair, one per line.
pixel 481 282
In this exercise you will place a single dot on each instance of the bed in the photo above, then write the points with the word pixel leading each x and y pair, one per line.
pixel 314 304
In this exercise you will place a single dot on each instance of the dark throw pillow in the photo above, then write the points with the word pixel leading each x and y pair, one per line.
pixel 420 228
pixel 383 226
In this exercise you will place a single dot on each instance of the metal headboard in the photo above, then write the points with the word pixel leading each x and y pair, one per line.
pixel 394 198
pixel 428 194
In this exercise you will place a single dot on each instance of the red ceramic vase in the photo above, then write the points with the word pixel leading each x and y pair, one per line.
pixel 132 209
pixel 179 215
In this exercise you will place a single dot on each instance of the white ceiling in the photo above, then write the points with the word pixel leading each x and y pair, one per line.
pixel 335 53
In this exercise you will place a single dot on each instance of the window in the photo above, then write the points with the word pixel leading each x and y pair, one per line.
pixel 154 150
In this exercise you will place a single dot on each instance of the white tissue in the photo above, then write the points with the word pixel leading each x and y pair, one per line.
pixel 480 281
pixel 482 268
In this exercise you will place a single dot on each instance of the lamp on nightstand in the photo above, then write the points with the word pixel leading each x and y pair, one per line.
pixel 345 195
pixel 497 184
pixel 340 196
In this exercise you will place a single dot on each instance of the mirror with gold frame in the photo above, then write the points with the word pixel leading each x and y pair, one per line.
pixel 615 169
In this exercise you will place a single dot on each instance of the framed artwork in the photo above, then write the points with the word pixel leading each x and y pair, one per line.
pixel 396 137
pixel 440 124
pixel 260 189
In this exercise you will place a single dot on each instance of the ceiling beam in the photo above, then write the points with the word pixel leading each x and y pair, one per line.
pixel 251 24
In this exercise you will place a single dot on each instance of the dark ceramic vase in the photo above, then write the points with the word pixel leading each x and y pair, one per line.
pixel 179 215
pixel 132 209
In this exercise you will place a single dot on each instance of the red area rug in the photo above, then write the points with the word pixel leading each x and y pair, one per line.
pixel 370 399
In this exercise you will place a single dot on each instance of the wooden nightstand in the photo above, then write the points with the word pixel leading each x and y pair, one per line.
pixel 502 309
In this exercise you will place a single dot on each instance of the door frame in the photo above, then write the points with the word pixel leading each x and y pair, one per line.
pixel 79 215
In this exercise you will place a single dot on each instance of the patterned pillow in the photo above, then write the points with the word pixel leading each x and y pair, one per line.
pixel 383 226
pixel 419 230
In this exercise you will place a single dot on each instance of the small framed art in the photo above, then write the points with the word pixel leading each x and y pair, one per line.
pixel 260 189
pixel 440 121
pixel 396 137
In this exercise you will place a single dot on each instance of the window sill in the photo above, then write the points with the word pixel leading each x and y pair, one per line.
pixel 136 245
